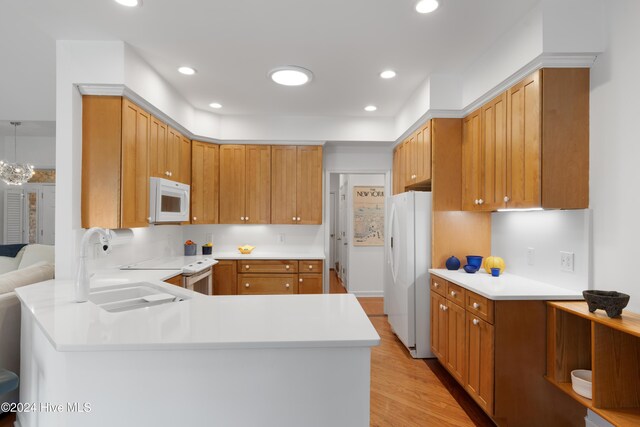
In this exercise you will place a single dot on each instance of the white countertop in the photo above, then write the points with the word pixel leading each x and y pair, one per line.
pixel 268 254
pixel 203 322
pixel 507 286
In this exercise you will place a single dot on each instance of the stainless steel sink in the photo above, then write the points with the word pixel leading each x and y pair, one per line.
pixel 132 296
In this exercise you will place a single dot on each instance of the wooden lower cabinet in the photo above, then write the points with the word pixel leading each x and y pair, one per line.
pixel 224 278
pixel 456 341
pixel 480 348
pixel 310 283
pixel 438 326
pixel 175 280
pixel 258 284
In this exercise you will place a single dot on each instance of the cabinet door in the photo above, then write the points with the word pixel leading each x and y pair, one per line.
pixel 159 134
pixel 480 368
pixel 438 327
pixel 309 185
pixel 494 135
pixel 524 143
pixel 184 173
pixel 135 166
pixel 409 161
pixel 471 161
pixel 423 153
pixel 402 162
pixel 225 278
pixel 174 152
pixel 258 173
pixel 232 184
pixel 283 184
pixel 268 284
pixel 456 343
pixel 175 280
pixel 396 171
pixel 310 283
pixel 205 171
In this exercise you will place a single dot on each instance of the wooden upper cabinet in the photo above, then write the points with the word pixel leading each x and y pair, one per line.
pixel 524 143
pixel 396 172
pixel 402 169
pixel 205 175
pixel 184 171
pixel 471 161
pixel 411 158
pixel 174 154
pixel 283 184
pixel 159 134
pixel 136 124
pixel 423 153
pixel 232 184
pixel 309 185
pixel 258 184
pixel 493 183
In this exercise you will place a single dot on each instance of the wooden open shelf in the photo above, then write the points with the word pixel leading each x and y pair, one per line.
pixel 578 339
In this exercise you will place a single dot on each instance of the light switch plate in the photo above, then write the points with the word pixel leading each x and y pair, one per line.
pixel 531 256
pixel 566 261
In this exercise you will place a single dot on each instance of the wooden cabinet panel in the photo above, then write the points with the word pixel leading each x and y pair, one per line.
pixel 412 160
pixel 471 161
pixel 402 172
pixel 175 280
pixel 184 172
pixel 456 342
pixel 232 184
pixel 283 184
pixel 258 184
pixel 310 283
pixel 423 153
pixel 225 278
pixel 396 171
pixel 439 327
pixel 159 134
pixel 480 364
pixel 480 306
pixel 267 266
pixel 256 284
pixel 309 185
pixel 493 185
pixel 439 285
pixel 135 165
pixel 456 293
pixel 524 143
pixel 101 156
pixel 310 266
pixel 205 169
pixel 174 153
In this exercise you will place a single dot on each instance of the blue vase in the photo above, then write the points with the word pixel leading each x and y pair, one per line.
pixel 452 263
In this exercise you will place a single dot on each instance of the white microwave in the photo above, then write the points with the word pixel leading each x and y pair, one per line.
pixel 168 201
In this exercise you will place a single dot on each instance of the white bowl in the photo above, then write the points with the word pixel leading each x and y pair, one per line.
pixel 581 382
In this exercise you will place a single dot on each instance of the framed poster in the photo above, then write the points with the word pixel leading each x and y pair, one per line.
pixel 368 216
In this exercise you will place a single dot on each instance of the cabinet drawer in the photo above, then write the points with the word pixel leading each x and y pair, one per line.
pixel 456 293
pixel 310 266
pixel 480 306
pixel 310 283
pixel 264 266
pixel 254 284
pixel 439 285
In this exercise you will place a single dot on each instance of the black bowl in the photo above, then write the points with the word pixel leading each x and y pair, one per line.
pixel 610 301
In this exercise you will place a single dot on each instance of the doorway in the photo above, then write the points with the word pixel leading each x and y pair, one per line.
pixel 356 220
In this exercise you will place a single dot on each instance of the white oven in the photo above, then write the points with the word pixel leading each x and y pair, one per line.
pixel 168 201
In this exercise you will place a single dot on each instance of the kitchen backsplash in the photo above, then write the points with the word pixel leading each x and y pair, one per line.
pixel 514 234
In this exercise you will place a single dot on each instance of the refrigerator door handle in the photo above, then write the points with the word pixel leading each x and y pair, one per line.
pixel 392 218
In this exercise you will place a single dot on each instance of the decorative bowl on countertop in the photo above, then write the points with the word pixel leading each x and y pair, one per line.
pixel 475 260
pixel 470 268
pixel 610 301
pixel 453 263
pixel 581 382
pixel 246 249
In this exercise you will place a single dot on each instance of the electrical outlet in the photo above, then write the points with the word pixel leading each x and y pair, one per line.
pixel 566 261
pixel 531 256
pixel 281 238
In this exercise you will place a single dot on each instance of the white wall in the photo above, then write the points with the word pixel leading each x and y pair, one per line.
pixel 615 150
pixel 365 263
pixel 357 157
pixel 548 233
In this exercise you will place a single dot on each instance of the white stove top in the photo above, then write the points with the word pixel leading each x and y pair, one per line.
pixel 186 264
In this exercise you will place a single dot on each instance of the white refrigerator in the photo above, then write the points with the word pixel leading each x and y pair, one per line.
pixel 408 253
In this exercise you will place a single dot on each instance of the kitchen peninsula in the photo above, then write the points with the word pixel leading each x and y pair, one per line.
pixel 233 360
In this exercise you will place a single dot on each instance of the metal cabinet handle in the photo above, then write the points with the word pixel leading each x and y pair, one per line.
pixel 293 219
pixel 149 218
pixel 300 280
pixel 195 218
pixel 445 308
pixel 480 202
pixel 476 305
pixel 241 218
pixel 170 173
pixel 310 267
pixel 453 293
pixel 476 322
pixel 436 285
pixel 287 285
pixel 506 199
pixel 475 202
pixel 298 219
pixel 246 267
pixel 287 267
pixel 246 285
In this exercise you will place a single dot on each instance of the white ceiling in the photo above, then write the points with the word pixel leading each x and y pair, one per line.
pixel 234 43
pixel 29 128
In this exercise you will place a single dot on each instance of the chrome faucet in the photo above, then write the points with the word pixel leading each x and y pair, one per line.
pixel 82 279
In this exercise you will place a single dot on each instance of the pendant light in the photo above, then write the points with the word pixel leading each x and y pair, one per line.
pixel 15 173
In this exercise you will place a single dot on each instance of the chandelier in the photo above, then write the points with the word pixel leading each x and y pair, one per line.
pixel 15 173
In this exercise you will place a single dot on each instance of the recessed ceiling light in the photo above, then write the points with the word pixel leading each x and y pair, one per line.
pixel 215 105
pixel 370 108
pixel 427 6
pixel 188 71
pixel 388 74
pixel 130 3
pixel 291 75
